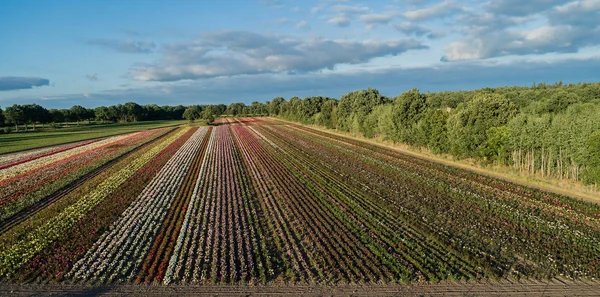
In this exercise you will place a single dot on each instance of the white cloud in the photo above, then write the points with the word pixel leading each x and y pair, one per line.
pixel 317 9
pixel 341 21
pixel 541 40
pixel 303 25
pixel 410 28
pixel 377 18
pixel 461 50
pixel 520 7
pixel 227 53
pixel 129 46
pixel 579 6
pixel 350 9
pixel 437 10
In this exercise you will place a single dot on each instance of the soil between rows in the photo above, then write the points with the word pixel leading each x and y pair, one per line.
pixel 503 288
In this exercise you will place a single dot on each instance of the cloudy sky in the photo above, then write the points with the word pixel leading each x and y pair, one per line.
pixel 61 53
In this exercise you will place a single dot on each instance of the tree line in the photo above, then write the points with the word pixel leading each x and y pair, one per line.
pixel 547 129
pixel 32 114
pixel 550 130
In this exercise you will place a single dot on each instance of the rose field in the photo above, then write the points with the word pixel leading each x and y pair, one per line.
pixel 260 201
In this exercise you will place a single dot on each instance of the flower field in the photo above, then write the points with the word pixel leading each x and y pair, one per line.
pixel 257 201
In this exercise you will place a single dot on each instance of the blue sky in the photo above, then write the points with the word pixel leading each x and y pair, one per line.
pixel 62 53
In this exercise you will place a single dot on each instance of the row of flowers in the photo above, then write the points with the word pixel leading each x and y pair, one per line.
pixel 118 253
pixel 56 260
pixel 19 171
pixel 296 204
pixel 485 226
pixel 211 241
pixel 9 160
pixel 21 192
pixel 13 188
pixel 157 259
pixel 340 240
pixel 21 252
pixel 190 219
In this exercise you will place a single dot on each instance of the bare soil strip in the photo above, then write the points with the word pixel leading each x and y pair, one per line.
pixel 530 288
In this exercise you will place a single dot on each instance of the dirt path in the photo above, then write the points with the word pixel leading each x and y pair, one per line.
pixel 545 289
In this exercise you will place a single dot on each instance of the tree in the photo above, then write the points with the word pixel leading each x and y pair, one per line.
pixel 592 171
pixel 102 113
pixel 257 108
pixel 78 113
pixel 467 127
pixel 56 116
pixel 133 110
pixel 408 109
pixel 354 107
pixel 1 117
pixel 275 106
pixel 431 131
pixel 90 114
pixel 210 113
pixel 14 115
pixel 236 109
pixel 559 101
pixel 328 115
pixel 192 113
pixel 34 113
pixel 497 145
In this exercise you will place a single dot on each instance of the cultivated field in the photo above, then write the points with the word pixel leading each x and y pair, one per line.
pixel 257 201
pixel 53 136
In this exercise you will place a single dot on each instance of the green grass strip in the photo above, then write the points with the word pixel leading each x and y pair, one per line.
pixel 20 141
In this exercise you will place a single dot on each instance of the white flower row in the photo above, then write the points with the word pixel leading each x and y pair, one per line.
pixel 33 164
pixel 190 227
pixel 12 157
pixel 118 252
pixel 19 253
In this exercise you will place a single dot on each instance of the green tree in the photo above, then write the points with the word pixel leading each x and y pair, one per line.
pixel 78 113
pixel 354 107
pixel 467 127
pixel 133 110
pixel 328 114
pixel 408 109
pixel 258 108
pixel 192 113
pixel 14 115
pixel 34 113
pixel 210 113
pixel 236 109
pixel 591 173
pixel 1 117
pixel 275 106
pixel 497 145
pixel 102 113
pixel 56 116
pixel 431 131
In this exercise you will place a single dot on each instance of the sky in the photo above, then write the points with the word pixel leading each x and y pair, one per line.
pixel 71 52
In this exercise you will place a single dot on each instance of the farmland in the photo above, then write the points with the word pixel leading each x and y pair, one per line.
pixel 36 139
pixel 258 201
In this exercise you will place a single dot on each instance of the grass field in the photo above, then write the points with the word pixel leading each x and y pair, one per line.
pixel 29 140
pixel 262 202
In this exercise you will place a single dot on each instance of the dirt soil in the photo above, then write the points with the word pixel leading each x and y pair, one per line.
pixel 504 288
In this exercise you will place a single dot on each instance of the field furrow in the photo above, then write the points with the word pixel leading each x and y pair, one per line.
pixel 261 202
